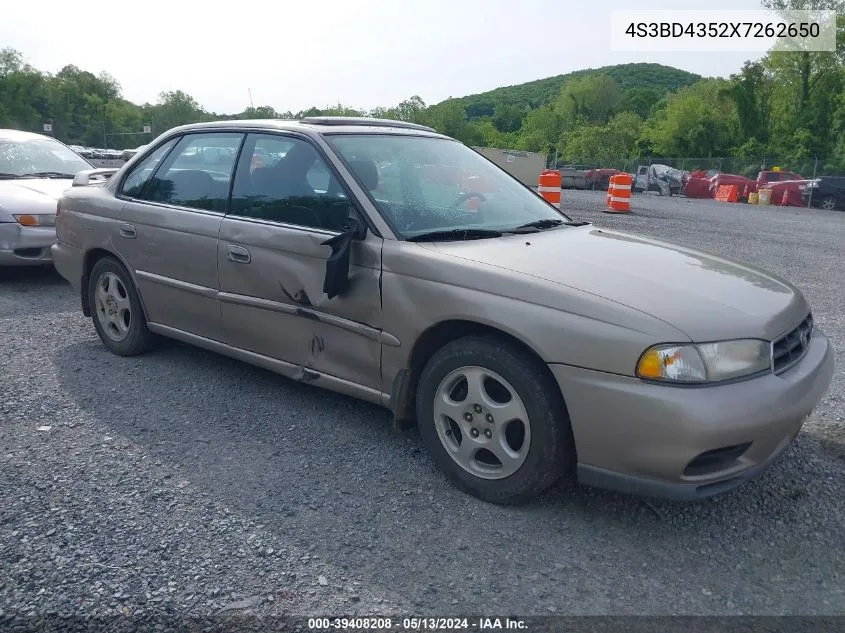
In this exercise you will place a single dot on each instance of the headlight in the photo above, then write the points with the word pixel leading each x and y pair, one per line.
pixel 706 362
pixel 46 219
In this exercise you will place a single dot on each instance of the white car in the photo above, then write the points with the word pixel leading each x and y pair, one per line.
pixel 34 171
pixel 129 153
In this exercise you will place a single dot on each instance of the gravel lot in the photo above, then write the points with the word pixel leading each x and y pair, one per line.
pixel 185 483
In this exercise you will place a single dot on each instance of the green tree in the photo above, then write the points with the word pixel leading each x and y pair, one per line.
pixel 507 118
pixel 805 85
pixel 751 91
pixel 175 108
pixel 593 99
pixel 603 144
pixel 491 136
pixel 639 100
pixel 411 110
pixel 450 119
pixel 700 120
pixel 540 131
pixel 11 61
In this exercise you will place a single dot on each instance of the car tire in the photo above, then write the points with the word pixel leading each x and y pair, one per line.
pixel 116 310
pixel 527 468
pixel 828 203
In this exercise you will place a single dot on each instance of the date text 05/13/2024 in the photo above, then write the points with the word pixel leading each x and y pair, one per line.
pixel 417 624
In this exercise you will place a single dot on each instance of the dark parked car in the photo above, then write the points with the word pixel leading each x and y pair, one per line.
pixel 828 192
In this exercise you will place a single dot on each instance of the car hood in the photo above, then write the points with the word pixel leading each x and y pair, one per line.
pixel 36 195
pixel 705 296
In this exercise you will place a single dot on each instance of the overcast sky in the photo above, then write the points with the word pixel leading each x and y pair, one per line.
pixel 364 53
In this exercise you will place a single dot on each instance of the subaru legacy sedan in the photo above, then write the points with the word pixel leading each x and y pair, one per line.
pixel 387 262
pixel 34 171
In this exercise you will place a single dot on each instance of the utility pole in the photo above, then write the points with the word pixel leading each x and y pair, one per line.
pixel 251 104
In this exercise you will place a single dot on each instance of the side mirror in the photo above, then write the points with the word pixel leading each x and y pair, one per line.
pixel 337 265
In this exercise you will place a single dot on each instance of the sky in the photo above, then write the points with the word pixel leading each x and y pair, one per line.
pixel 361 53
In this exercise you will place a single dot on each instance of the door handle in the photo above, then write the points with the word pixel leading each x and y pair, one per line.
pixel 127 230
pixel 238 254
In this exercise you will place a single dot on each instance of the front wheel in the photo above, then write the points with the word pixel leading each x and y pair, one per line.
pixel 828 203
pixel 116 310
pixel 493 420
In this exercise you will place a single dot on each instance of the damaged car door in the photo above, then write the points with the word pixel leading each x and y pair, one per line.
pixel 289 215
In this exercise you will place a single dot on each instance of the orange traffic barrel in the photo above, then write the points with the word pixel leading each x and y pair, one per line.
pixel 619 194
pixel 549 186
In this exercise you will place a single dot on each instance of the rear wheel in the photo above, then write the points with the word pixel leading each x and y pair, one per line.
pixel 116 310
pixel 828 203
pixel 493 420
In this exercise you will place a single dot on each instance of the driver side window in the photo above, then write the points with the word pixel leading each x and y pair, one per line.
pixel 284 179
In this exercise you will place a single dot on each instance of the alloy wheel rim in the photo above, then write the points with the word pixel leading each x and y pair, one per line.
pixel 482 422
pixel 113 308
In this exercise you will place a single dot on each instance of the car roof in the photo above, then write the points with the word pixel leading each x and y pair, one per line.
pixel 20 135
pixel 320 125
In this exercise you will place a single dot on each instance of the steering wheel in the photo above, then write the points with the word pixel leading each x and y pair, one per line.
pixel 469 216
pixel 467 196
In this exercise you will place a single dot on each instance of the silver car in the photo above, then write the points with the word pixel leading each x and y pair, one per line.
pixel 34 171
pixel 385 261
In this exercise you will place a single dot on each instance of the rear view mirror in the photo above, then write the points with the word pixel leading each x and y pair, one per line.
pixel 337 265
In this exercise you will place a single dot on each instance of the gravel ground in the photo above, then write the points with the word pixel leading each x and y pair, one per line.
pixel 185 483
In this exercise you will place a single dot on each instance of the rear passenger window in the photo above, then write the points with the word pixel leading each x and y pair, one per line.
pixel 197 172
pixel 143 171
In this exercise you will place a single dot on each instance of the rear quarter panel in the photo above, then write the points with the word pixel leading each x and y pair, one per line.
pixel 86 222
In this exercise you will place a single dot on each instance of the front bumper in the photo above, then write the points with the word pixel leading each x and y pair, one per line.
pixel 25 245
pixel 648 439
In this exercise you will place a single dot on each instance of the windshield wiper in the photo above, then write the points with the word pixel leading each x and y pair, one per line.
pixel 47 174
pixel 454 234
pixel 4 176
pixel 545 223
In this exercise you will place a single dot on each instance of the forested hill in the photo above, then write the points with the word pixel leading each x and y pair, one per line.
pixel 789 105
pixel 540 92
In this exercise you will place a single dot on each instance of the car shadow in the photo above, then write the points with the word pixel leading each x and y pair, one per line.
pixel 29 278
pixel 330 472
pixel 24 288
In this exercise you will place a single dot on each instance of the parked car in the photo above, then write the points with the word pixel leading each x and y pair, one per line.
pixel 34 170
pixel 599 178
pixel 523 343
pixel 791 188
pixel 663 179
pixel 572 178
pixel 828 192
pixel 129 153
pixel 82 151
pixel 770 176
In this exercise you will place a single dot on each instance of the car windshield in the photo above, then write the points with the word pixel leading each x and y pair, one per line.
pixel 39 157
pixel 424 185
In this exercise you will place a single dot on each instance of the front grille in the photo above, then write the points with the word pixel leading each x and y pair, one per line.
pixel 789 348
